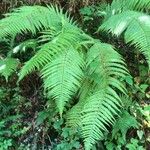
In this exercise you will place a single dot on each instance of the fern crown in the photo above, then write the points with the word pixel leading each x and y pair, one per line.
pixel 72 63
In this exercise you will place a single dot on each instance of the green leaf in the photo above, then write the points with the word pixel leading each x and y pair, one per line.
pixel 57 124
pixel 140 134
pixel 65 132
pixel 143 87
pixel 75 144
pixel 8 66
pixel 41 117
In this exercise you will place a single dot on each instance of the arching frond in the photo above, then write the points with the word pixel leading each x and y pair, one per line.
pixel 64 40
pixel 141 37
pixel 103 103
pixel 8 66
pixel 62 77
pixel 136 27
pixel 117 24
pixel 32 19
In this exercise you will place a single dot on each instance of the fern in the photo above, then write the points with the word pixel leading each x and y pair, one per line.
pixel 136 27
pixel 31 19
pixel 70 62
pixel 8 66
pixel 103 103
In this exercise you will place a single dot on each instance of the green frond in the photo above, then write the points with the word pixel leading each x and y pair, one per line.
pixel 49 51
pixel 117 24
pixel 24 19
pixel 8 66
pixel 62 77
pixel 96 115
pixel 124 123
pixel 32 19
pixel 101 105
pixel 138 34
pixel 136 27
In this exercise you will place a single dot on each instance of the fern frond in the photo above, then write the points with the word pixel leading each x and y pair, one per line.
pixel 118 23
pixel 136 27
pixel 32 19
pixel 64 40
pixel 8 66
pixel 62 77
pixel 104 103
pixel 141 37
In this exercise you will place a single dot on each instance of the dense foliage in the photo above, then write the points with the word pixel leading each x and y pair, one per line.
pixel 80 84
